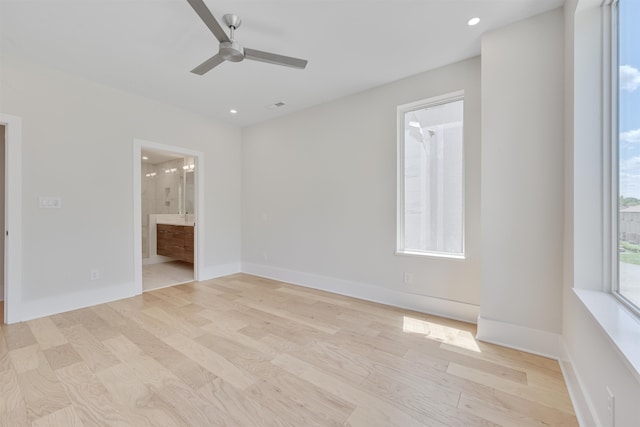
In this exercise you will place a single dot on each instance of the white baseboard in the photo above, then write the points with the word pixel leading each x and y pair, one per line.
pixel 425 304
pixel 518 337
pixel 582 405
pixel 28 310
pixel 215 271
pixel 60 303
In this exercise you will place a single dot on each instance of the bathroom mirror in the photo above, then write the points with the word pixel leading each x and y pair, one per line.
pixel 189 192
pixel 188 186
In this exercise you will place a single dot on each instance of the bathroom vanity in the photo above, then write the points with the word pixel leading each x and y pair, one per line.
pixel 175 241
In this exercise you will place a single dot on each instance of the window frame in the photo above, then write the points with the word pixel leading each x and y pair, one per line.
pixel 611 87
pixel 400 227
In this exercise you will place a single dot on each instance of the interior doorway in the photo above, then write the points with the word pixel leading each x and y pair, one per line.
pixel 167 192
pixel 168 196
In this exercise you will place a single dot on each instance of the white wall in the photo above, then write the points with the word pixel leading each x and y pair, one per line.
pixel 319 197
pixel 77 144
pixel 522 176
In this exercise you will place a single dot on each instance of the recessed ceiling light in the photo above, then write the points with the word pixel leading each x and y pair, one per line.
pixel 145 158
pixel 232 111
pixel 473 21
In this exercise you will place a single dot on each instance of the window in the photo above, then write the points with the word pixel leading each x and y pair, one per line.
pixel 626 125
pixel 431 177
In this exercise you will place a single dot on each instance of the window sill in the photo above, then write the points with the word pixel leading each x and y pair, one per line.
pixel 431 255
pixel 622 327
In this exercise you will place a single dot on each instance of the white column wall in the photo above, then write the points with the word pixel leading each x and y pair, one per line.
pixel 522 191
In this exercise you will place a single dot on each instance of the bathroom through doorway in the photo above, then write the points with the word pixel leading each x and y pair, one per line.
pixel 167 201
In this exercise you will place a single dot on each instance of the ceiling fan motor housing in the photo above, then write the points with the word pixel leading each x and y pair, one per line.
pixel 232 51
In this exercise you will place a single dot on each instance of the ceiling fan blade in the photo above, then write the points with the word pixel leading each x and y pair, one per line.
pixel 209 64
pixel 272 58
pixel 205 14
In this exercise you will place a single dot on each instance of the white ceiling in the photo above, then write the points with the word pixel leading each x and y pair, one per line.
pixel 148 47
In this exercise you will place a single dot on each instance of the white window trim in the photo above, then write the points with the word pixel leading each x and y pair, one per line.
pixel 401 110
pixel 620 325
pixel 610 74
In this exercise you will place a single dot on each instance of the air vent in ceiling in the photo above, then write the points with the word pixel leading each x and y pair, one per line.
pixel 276 105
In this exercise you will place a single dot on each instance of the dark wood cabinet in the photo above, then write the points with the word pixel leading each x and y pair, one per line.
pixel 175 241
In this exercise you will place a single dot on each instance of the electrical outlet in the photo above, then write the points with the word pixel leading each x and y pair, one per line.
pixel 95 274
pixel 408 278
pixel 611 408
pixel 49 202
pixel 265 256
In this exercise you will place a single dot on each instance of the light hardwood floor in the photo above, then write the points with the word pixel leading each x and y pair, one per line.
pixel 247 351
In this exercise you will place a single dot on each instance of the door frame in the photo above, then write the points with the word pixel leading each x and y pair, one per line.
pixel 12 218
pixel 198 156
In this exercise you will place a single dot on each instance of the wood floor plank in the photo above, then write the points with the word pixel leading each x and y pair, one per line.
pixel 276 342
pixel 66 416
pixel 347 392
pixel 15 418
pixel 235 350
pixel 88 319
pixel 423 348
pixel 18 335
pixel 46 333
pixel 242 410
pixel 11 397
pixel 528 409
pixel 381 344
pixel 310 296
pixel 42 391
pixel 224 320
pixel 128 391
pixel 363 417
pixel 61 356
pixel 191 406
pixel 171 359
pixel 173 296
pixel 93 353
pixel 552 398
pixel 300 400
pixel 248 351
pixel 25 358
pixel 211 361
pixel 179 325
pixel 145 369
pixel 337 360
pixel 499 416
pixel 301 320
pixel 89 396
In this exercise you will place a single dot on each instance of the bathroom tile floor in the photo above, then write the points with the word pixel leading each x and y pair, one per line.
pixel 164 274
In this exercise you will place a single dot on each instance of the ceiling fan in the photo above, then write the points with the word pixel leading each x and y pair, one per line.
pixel 231 50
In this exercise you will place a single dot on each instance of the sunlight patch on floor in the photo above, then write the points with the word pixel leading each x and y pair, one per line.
pixel 441 333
